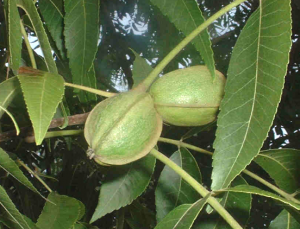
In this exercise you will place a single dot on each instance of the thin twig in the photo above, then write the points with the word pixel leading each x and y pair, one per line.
pixel 34 174
pixel 77 119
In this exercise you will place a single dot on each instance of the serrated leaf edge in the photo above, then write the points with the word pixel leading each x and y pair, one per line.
pixel 30 115
pixel 93 220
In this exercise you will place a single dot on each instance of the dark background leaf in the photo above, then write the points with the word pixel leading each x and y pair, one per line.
pixel 30 8
pixel 284 221
pixel 283 166
pixel 141 69
pixel 237 204
pixel 123 185
pixel 63 211
pixel 172 190
pixel 52 12
pixel 187 16
pixel 81 36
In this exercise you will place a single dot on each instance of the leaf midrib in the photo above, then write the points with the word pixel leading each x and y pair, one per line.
pixel 84 41
pixel 253 101
pixel 8 96
pixel 278 162
pixel 41 107
pixel 56 8
pixel 116 191
pixel 180 182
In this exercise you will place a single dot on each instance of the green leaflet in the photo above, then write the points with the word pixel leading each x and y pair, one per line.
pixel 140 216
pixel 11 167
pixel 123 185
pixel 283 166
pixel 81 36
pixel 61 213
pixel 12 211
pixel 183 216
pixel 10 222
pixel 52 12
pixel 284 221
pixel 237 204
pixel 14 35
pixel 37 24
pixel 42 92
pixel 90 81
pixel 253 89
pixel 254 190
pixel 8 90
pixel 141 69
pixel 172 190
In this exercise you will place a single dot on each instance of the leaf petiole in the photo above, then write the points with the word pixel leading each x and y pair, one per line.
pixel 92 90
pixel 198 187
pixel 12 118
pixel 34 174
pixel 152 76
pixel 29 49
pixel 254 176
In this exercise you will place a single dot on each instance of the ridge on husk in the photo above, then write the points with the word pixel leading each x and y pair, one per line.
pixel 188 97
pixel 123 128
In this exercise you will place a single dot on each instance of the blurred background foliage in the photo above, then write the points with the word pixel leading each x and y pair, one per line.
pixel 137 25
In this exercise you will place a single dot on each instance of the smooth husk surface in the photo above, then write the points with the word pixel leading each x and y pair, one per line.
pixel 123 128
pixel 188 97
